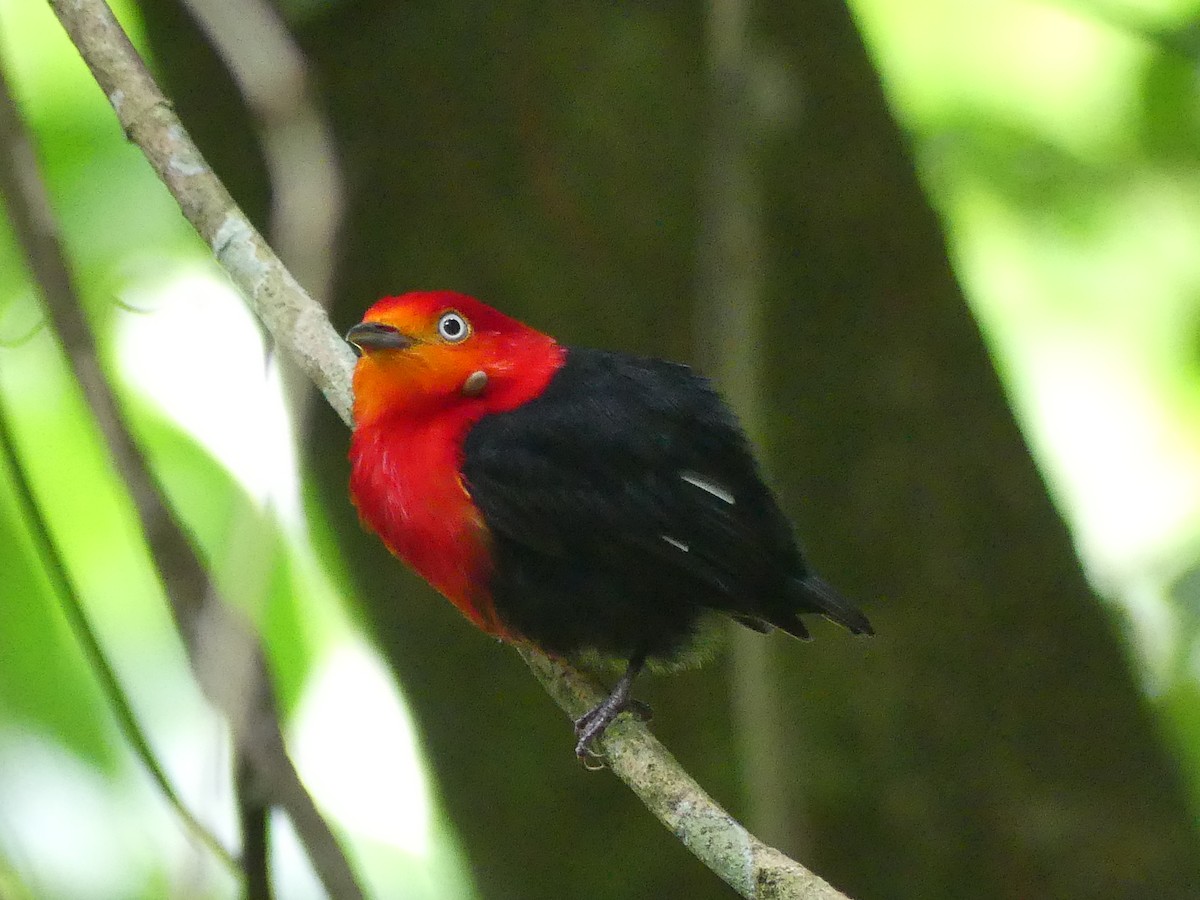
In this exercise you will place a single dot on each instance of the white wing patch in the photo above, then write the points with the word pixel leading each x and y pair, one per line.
pixel 674 543
pixel 711 487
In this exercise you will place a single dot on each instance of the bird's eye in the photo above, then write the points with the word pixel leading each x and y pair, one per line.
pixel 453 327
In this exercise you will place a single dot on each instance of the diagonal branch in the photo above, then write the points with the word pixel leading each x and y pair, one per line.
pixel 718 840
pixel 226 656
pixel 303 333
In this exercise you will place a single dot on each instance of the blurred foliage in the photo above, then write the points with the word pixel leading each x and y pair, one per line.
pixel 35 646
pixel 551 161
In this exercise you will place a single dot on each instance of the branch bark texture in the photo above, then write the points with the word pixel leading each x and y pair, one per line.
pixel 749 866
pixel 302 331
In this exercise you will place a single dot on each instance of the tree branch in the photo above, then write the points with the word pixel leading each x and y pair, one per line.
pixel 717 839
pixel 254 821
pixel 303 333
pixel 228 660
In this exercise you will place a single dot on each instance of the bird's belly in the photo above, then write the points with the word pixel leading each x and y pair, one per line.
pixel 591 609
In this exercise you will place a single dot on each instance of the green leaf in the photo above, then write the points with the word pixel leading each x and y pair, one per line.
pixel 44 683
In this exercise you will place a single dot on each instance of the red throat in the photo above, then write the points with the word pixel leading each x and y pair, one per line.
pixel 405 483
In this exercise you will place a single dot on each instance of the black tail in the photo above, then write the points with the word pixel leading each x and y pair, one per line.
pixel 815 594
pixel 792 626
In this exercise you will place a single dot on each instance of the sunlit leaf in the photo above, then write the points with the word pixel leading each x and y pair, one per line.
pixel 44 683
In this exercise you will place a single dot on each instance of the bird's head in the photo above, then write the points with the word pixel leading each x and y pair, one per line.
pixel 434 351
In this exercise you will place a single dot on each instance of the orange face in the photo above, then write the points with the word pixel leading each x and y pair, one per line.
pixel 422 353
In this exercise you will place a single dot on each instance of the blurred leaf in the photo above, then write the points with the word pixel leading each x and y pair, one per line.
pixel 1168 117
pixel 249 558
pixel 44 682
pixel 1180 709
pixel 11 886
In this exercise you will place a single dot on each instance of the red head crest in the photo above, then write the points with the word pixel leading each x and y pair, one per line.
pixel 421 355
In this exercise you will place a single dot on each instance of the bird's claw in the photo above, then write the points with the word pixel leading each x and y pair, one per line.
pixel 592 724
pixel 588 729
pixel 593 762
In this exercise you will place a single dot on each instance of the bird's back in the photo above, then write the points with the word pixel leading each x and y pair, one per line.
pixel 624 504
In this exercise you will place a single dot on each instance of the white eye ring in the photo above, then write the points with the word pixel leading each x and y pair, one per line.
pixel 453 328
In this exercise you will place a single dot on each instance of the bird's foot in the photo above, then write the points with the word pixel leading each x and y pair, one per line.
pixel 592 724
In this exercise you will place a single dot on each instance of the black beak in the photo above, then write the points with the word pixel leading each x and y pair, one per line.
pixel 376 336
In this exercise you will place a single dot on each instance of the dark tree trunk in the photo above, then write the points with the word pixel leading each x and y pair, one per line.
pixel 995 742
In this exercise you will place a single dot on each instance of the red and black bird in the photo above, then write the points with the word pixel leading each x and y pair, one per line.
pixel 597 505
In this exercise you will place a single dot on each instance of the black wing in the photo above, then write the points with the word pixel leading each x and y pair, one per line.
pixel 625 497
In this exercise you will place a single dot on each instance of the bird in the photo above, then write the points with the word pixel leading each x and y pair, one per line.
pixel 603 507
